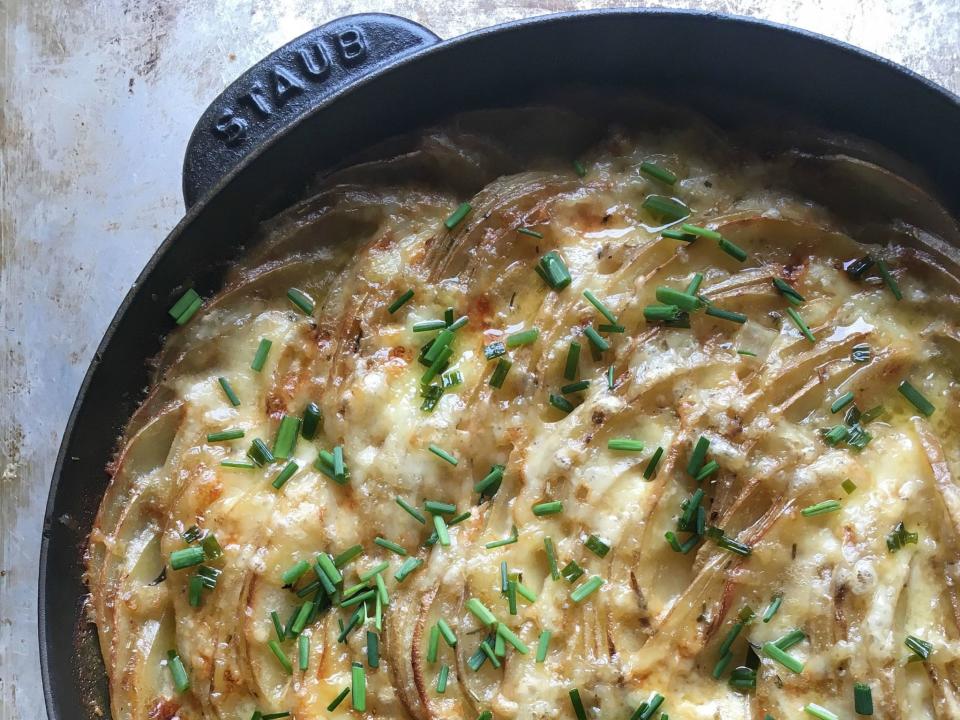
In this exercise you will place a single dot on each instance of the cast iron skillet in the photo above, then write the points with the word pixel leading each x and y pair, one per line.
pixel 357 80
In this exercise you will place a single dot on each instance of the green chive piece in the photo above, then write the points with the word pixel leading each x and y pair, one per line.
pixel 862 699
pixel 860 353
pixel 357 598
pixel 447 633
pixel 575 387
pixel 726 314
pixel 788 291
pixel 303 652
pixel 841 402
pixel 821 508
pixel 512 597
pixel 500 373
pixel 707 470
pixel 435 507
pixel 373 649
pixel 561 403
pixel 409 565
pixel 588 588
pixel 442 454
pixel 573 360
pixel 490 652
pixel 819 712
pixel 433 644
pixel 694 285
pixel 190 311
pixel 733 250
pixel 239 464
pixel 194 590
pixel 301 620
pixel 743 678
pixel 785 659
pixel 657 172
pixel 848 486
pixel 524 337
pixel 651 468
pixel 414 513
pixel 358 688
pixel 481 612
pixel 579 169
pixel 729 639
pixel 801 325
pixel 514 536
pixel 666 208
pixel 228 391
pixel 601 308
pixel 294 572
pixel 661 313
pixel 889 279
pixel 605 328
pixel 610 381
pixel 280 655
pixel 551 507
pixel 437 366
pixel 625 444
pixel 457 215
pixel 260 453
pixel 400 302
pixel 348 555
pixel 312 418
pixel 277 625
pixel 442 678
pixel 669 296
pixel 916 398
pixel 260 358
pixel 187 557
pixel 679 547
pixel 577 705
pixel 543 645
pixel 441 528
pixel 572 572
pixel 857 268
pixel 836 434
pixel 772 608
pixel 554 270
pixel 721 666
pixel 597 546
pixel 286 440
pixel 531 233
pixel 678 235
pixel 428 326
pixel 389 545
pixel 184 304
pixel 224 435
pixel 701 232
pixel 919 647
pixel 301 300
pixel 698 456
pixel 551 557
pixel 790 639
pixel 338 699
pixel 494 350
pixel 748 353
pixel 181 681
pixel 526 592
pixel 375 570
pixel 594 337
pixel 491 483
pixel 329 568
pixel 508 635
pixel 339 470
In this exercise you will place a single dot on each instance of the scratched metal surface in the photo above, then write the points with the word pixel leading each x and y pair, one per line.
pixel 99 97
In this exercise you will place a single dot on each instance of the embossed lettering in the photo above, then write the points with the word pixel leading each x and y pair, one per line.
pixel 257 99
pixel 314 60
pixel 230 128
pixel 285 85
pixel 351 46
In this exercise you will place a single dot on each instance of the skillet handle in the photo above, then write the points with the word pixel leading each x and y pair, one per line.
pixel 289 83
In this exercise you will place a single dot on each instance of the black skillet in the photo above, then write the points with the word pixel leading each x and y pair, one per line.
pixel 357 80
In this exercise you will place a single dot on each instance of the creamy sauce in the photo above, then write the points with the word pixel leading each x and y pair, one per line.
pixel 658 621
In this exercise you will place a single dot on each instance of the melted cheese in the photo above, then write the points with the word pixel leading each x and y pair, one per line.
pixel 656 624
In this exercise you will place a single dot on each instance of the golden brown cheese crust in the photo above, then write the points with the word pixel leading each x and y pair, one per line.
pixel 658 621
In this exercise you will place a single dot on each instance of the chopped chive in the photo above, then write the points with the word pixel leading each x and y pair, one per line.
pixel 862 699
pixel 482 613
pixel 597 546
pixel 821 508
pixel 726 314
pixel 512 638
pixel 666 207
pixel 916 398
pixel 889 279
pixel 848 486
pixel 788 291
pixel 743 678
pixel 228 391
pixel 678 235
pixel 414 513
pixel 211 548
pixel 611 328
pixel 785 659
pixel 375 570
pixel 490 652
pixel 790 639
pixel 194 590
pixel 801 325
pixel 836 434
pixel 572 572
pixel 354 621
pixel 648 709
pixel 514 536
pixel 238 464
pixel 601 308
pixel 561 403
pixel 732 249
pixel 447 633
pixel 841 402
pixel 625 444
pixel 526 592
pixel 328 568
pixel 494 350
pixel 610 381
pixel 683 548
pixel 303 652
pixel 707 470
pixel 698 456
pixel 260 453
pixel 721 666
pixel 400 302
pixel 657 172
pixel 181 681
pixel 277 625
pixel 442 454
pixel 589 587
pixel 548 508
pixel 373 649
pixel 669 296
pixel 389 545
pixel 185 303
pixel 579 169
pixel 573 359
pixel 577 705
pixel 301 620
pixel 433 643
pixel 301 300
pixel 491 482
pixel 500 372
pixel 594 337
pixel 531 233
pixel 661 313
pixel 442 678
pixel 554 270
pixel 748 353
pixel 187 557
pixel 280 655
pixel 690 507
pixel 338 699
pixel 543 645
pixel 429 325
pixel 457 215
pixel 732 635
pixel 451 379
pixel 224 435
pixel 857 268
pixel 448 317
pixel 383 597
pixel 860 353
pixel 286 440
pixel 190 311
pixel 551 557
pixel 357 598
pixel 575 387
pixel 504 577
pixel 348 555
pixel 437 366
pixel 525 337
pixel 260 358
pixel 694 285
pixel 651 468
pixel 701 231
pixel 819 712
pixel 919 647
pixel 485 715
pixel 358 691
pixel 339 470
pixel 409 565
pixel 435 507
pixel 441 528
pixel 294 572
pixel 772 608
